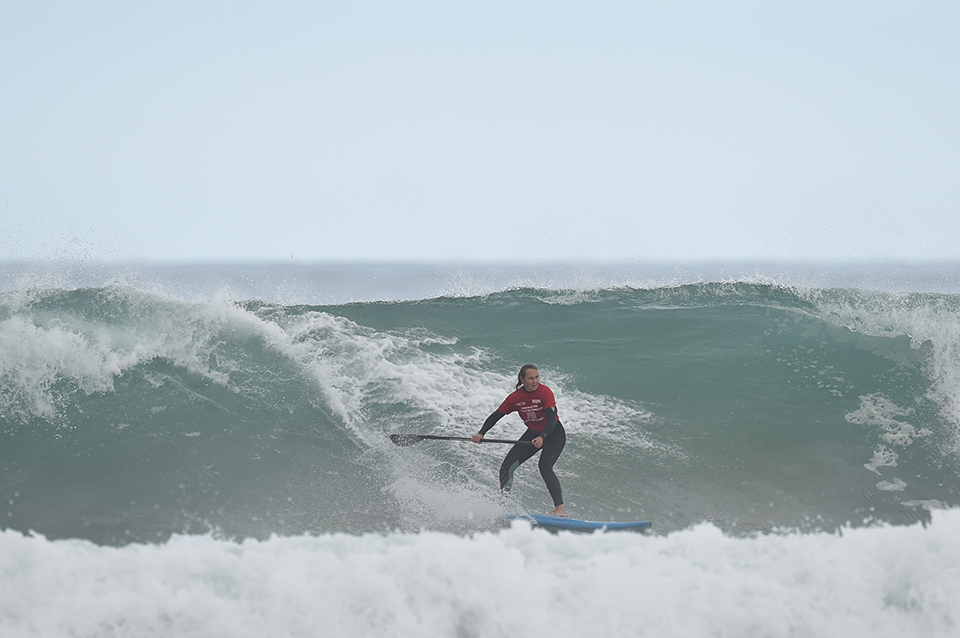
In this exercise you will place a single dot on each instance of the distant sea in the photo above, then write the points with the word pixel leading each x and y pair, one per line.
pixel 202 450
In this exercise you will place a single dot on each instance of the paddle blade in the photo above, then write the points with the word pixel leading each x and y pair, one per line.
pixel 404 440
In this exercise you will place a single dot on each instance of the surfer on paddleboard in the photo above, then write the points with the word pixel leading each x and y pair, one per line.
pixel 538 409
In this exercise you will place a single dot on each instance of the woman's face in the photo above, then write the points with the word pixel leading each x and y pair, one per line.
pixel 531 380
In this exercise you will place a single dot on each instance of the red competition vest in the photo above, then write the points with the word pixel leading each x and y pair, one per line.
pixel 530 405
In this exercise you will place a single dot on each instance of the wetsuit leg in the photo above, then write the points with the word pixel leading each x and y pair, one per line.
pixel 515 457
pixel 552 447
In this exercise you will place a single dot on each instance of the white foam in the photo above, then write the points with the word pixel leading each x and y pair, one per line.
pixel 932 322
pixel 897 485
pixel 885 581
pixel 882 457
pixel 32 359
pixel 879 411
pixel 359 366
pixel 40 348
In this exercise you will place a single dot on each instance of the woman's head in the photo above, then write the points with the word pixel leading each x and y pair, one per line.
pixel 529 377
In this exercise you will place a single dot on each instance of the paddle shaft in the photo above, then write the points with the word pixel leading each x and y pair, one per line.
pixel 410 439
pixel 467 438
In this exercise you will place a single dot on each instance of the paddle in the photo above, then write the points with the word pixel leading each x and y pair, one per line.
pixel 404 440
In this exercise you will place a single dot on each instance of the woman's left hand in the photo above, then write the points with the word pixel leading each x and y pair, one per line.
pixel 538 442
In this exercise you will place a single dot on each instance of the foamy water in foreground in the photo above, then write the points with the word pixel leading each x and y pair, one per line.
pixel 887 581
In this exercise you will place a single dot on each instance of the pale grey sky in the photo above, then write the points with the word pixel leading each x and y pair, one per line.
pixel 442 131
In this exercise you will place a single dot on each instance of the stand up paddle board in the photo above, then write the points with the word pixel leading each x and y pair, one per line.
pixel 563 522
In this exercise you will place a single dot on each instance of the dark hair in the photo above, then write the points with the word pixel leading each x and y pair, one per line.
pixel 523 373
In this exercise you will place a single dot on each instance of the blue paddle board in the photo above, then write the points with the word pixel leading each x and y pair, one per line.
pixel 563 522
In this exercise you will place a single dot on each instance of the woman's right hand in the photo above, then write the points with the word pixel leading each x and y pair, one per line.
pixel 477 438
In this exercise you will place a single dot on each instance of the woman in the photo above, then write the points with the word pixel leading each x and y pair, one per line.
pixel 538 409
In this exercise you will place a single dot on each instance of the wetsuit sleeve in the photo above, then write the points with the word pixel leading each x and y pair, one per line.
pixel 551 416
pixel 491 421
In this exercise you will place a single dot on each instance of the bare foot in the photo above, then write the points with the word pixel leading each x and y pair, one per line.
pixel 558 511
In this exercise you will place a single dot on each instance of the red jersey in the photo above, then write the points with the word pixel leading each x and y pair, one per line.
pixel 530 405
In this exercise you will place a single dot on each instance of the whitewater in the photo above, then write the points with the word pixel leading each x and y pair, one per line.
pixel 204 451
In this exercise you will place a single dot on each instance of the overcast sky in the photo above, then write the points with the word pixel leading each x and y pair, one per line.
pixel 477 131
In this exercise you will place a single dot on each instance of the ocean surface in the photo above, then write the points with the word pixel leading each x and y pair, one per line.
pixel 203 450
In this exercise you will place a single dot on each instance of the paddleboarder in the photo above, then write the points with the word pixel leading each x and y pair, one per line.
pixel 538 408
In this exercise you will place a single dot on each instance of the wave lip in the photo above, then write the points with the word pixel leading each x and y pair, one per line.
pixel 340 283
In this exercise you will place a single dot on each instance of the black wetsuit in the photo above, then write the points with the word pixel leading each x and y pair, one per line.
pixel 554 438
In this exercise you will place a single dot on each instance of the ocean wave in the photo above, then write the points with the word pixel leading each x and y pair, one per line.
pixel 740 403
